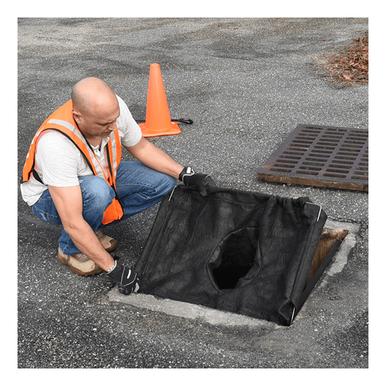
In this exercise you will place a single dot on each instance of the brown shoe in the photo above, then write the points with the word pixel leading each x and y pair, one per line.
pixel 79 263
pixel 109 244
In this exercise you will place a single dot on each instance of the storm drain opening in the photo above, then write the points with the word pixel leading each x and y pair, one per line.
pixel 330 239
pixel 237 257
pixel 247 253
pixel 234 258
pixel 219 318
pixel 327 247
pixel 321 156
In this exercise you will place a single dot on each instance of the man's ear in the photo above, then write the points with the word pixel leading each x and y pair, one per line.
pixel 77 115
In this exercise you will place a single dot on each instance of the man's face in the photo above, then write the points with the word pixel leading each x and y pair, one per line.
pixel 98 122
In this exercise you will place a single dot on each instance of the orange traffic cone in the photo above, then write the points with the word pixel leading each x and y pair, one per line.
pixel 158 120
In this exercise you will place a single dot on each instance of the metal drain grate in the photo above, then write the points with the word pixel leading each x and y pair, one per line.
pixel 322 156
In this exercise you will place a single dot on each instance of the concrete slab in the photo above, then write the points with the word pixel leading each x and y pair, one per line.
pixel 228 319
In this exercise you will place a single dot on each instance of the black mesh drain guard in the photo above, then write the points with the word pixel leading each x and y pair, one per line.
pixel 321 156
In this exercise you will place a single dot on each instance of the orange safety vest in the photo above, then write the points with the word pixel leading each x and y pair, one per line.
pixel 62 120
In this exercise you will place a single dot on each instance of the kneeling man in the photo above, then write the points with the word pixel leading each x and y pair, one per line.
pixel 74 176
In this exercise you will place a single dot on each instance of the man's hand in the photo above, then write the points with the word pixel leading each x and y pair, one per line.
pixel 125 277
pixel 195 180
pixel 69 205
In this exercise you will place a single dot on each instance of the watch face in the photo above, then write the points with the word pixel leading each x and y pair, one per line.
pixel 189 170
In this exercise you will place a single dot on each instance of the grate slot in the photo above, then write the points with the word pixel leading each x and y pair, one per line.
pixel 308 172
pixel 341 162
pixel 286 162
pixel 280 170
pixel 341 167
pixel 310 167
pixel 345 157
pixel 290 157
pixel 315 158
pixel 313 163
pixel 334 174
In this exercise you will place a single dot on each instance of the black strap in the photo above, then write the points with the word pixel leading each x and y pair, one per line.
pixel 110 168
pixel 111 173
pixel 37 177
pixel 187 121
pixel 108 159
pixel 183 120
pixel 88 144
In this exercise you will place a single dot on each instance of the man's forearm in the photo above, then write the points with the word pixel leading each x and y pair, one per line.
pixel 85 239
pixel 155 158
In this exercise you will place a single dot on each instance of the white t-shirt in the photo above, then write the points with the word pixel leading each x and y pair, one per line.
pixel 59 163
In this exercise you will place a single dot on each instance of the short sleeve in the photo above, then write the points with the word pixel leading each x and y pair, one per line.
pixel 57 160
pixel 130 131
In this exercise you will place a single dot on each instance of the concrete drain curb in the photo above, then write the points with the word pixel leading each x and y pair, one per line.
pixel 188 310
pixel 341 257
pixel 222 318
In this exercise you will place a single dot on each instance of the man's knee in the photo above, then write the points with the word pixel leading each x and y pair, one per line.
pixel 96 192
pixel 166 184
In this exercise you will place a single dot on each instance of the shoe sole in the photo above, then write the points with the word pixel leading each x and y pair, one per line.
pixel 112 247
pixel 97 270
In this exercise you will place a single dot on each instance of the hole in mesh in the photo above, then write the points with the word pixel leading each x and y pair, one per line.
pixel 234 257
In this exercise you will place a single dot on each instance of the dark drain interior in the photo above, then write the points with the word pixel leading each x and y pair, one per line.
pixel 234 258
pixel 237 254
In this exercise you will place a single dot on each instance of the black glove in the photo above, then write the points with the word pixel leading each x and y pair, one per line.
pixel 125 277
pixel 195 180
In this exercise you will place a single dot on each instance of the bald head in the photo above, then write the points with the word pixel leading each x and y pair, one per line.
pixel 93 95
pixel 95 107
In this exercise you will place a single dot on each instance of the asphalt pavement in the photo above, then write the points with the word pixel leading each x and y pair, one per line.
pixel 246 83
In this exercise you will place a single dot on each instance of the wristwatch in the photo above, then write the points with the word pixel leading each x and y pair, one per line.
pixel 186 171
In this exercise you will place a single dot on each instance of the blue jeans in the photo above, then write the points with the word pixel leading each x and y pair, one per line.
pixel 138 188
